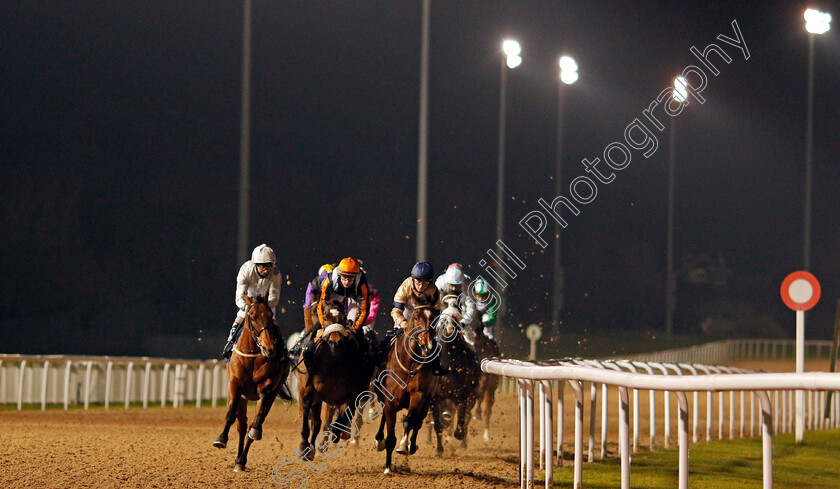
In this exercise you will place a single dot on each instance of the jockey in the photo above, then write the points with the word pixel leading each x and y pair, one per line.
pixel 478 313
pixel 255 277
pixel 418 284
pixel 374 310
pixel 313 289
pixel 452 282
pixel 348 284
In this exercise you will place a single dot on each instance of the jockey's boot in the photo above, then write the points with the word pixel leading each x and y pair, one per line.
pixel 306 350
pixel 228 350
pixel 299 344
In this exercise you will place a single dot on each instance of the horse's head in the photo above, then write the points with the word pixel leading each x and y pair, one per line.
pixel 335 321
pixel 259 322
pixel 448 326
pixel 420 325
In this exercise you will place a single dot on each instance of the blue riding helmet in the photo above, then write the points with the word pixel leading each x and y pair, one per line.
pixel 423 271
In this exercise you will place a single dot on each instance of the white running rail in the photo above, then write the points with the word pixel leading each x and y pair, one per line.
pixel 60 379
pixel 686 378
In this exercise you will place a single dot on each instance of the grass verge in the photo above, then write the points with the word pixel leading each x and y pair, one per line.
pixel 723 465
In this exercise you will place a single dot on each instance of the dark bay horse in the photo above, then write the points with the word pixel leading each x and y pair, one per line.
pixel 460 385
pixel 486 394
pixel 337 374
pixel 257 371
pixel 406 380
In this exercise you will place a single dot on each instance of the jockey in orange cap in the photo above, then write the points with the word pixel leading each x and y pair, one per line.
pixel 348 284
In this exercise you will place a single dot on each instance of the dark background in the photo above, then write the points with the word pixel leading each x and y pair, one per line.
pixel 120 146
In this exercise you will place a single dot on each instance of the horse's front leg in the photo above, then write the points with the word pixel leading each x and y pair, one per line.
pixel 242 427
pixel 390 421
pixel 489 400
pixel 437 426
pixel 380 435
pixel 418 408
pixel 305 410
pixel 267 397
pixel 315 417
pixel 230 417
pixel 464 408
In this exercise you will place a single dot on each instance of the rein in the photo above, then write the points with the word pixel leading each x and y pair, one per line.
pixel 254 337
pixel 411 373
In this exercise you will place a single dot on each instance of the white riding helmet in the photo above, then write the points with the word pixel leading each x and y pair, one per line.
pixel 263 254
pixel 454 276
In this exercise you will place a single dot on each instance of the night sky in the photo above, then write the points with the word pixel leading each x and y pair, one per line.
pixel 120 139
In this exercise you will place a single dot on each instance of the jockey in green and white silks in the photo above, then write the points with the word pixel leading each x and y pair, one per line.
pixel 479 314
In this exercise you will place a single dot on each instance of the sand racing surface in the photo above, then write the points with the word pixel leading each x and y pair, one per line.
pixel 167 447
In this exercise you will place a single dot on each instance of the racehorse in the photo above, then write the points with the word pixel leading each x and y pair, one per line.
pixel 407 381
pixel 460 385
pixel 257 371
pixel 337 374
pixel 486 394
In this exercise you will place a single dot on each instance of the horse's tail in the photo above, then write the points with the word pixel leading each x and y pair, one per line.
pixel 283 393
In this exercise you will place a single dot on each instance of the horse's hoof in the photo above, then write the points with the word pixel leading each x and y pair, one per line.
pixel 486 435
pixel 380 445
pixel 387 471
pixel 401 451
pixel 255 434
pixel 412 449
pixel 354 441
pixel 239 468
pixel 220 444
pixel 464 443
pixel 344 435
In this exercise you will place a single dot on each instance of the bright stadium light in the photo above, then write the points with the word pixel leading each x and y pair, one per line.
pixel 511 48
pixel 568 70
pixel 817 22
pixel 680 89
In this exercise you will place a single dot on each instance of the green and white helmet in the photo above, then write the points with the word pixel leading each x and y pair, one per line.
pixel 480 287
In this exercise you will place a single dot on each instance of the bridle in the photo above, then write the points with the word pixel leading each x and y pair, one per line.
pixel 255 336
pixel 423 348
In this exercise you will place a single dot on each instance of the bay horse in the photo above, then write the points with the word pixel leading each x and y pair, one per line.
pixel 257 371
pixel 336 375
pixel 460 385
pixel 406 380
pixel 486 394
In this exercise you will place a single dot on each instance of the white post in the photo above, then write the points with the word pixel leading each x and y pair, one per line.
pixel 800 368
pixel 623 437
pixel 593 411
pixel 529 435
pixel 561 411
pixel 542 421
pixel 128 370
pixel 20 384
pixel 522 435
pixel 766 438
pixel 44 380
pixel 548 423
pixel 214 389
pixel 604 419
pixel 146 383
pixel 164 380
pixel 67 385
pixel 683 439
pixel 108 384
pixel 578 470
pixel 88 371
pixel 199 385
